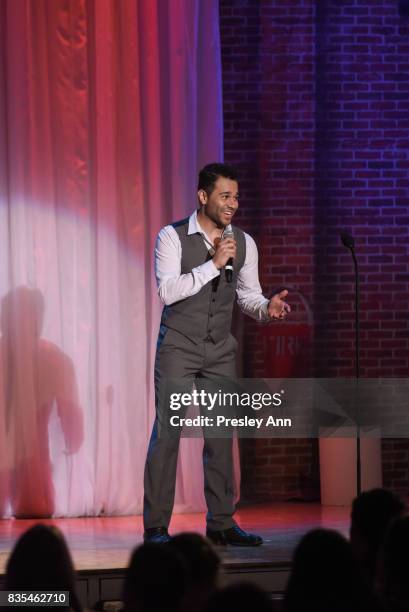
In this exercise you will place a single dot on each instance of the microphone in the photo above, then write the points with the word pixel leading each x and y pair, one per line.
pixel 228 268
pixel 347 240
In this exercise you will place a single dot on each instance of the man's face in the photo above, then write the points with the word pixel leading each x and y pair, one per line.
pixel 221 205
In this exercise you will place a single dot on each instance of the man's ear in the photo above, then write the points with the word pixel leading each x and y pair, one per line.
pixel 202 195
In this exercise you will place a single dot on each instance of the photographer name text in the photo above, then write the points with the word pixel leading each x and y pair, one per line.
pixel 222 421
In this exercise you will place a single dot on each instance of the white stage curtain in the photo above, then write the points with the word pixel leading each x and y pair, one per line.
pixel 108 108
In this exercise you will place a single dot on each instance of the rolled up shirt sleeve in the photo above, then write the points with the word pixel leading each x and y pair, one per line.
pixel 250 297
pixel 172 285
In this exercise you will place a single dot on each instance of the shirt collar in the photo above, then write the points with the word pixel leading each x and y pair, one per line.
pixel 194 227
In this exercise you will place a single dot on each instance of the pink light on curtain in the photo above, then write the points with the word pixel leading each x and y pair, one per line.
pixel 107 110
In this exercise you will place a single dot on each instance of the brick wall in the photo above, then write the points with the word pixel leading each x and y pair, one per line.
pixel 316 114
pixel 362 163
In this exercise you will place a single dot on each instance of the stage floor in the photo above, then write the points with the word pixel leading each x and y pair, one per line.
pixel 105 544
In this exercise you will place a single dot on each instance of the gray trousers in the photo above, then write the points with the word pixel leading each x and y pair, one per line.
pixel 178 357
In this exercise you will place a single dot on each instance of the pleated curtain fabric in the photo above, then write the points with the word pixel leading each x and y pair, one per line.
pixel 108 108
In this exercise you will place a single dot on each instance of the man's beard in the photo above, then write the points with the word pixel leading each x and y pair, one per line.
pixel 219 223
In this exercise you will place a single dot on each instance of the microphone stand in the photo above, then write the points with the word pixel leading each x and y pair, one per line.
pixel 349 243
pixel 357 372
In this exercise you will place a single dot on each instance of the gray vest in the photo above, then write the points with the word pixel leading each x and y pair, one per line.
pixel 207 314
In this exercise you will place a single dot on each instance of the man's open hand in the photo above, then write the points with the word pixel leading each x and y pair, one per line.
pixel 278 307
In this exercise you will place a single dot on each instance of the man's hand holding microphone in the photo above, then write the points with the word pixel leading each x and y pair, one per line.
pixel 225 250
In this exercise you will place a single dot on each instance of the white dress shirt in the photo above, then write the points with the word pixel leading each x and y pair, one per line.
pixel 174 286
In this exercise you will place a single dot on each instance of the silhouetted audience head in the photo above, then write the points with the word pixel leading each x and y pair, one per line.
pixel 156 579
pixel 241 596
pixel 372 512
pixel 41 561
pixel 326 577
pixel 203 565
pixel 394 566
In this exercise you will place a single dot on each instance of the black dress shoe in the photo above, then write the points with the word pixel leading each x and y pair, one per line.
pixel 158 535
pixel 235 536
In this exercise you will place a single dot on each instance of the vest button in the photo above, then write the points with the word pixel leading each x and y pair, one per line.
pixel 211 315
pixel 214 299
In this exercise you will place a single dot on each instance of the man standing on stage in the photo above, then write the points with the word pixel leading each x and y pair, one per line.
pixel 195 340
